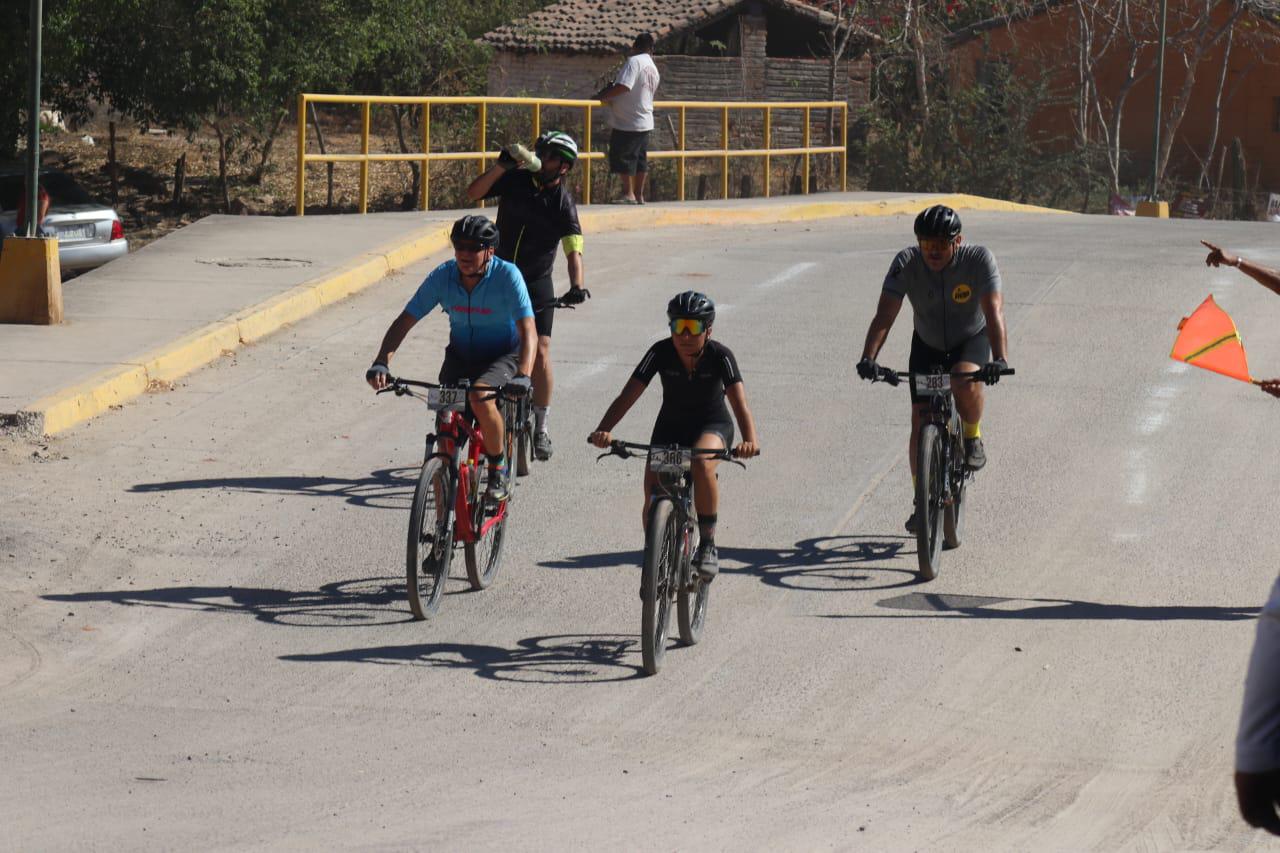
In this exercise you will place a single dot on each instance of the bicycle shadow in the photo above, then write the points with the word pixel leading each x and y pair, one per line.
pixel 932 605
pixel 386 488
pixel 552 659
pixel 354 603
pixel 819 564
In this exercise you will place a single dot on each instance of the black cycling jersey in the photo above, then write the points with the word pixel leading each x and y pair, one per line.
pixel 697 397
pixel 532 220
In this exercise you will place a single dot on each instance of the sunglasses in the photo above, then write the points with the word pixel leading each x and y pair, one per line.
pixel 938 245
pixel 469 248
pixel 687 326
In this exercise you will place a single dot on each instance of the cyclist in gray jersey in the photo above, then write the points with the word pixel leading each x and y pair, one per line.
pixel 958 309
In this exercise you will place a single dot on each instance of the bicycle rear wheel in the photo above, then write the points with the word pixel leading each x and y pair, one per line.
pixel 484 555
pixel 953 514
pixel 929 489
pixel 658 574
pixel 691 603
pixel 430 545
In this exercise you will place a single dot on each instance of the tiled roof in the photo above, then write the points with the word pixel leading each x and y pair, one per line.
pixel 610 26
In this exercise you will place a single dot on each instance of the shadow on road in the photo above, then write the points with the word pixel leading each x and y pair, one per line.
pixel 388 488
pixel 932 605
pixel 821 564
pixel 566 658
pixel 358 603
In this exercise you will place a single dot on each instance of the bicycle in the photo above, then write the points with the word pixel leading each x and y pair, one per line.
pixel 449 506
pixel 670 540
pixel 524 408
pixel 941 475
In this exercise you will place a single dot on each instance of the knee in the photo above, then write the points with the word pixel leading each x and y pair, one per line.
pixel 544 346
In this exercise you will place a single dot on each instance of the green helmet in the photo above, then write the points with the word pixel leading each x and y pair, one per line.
pixel 557 144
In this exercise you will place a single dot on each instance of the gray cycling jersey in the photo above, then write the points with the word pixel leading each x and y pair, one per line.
pixel 948 304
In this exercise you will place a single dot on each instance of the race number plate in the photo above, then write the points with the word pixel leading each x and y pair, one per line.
pixel 446 399
pixel 932 384
pixel 672 461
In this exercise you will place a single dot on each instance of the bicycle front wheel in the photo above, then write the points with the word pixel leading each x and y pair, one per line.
pixel 524 440
pixel 484 555
pixel 430 545
pixel 657 576
pixel 691 603
pixel 929 491
pixel 953 514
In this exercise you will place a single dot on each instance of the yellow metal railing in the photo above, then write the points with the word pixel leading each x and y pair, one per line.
pixel 682 154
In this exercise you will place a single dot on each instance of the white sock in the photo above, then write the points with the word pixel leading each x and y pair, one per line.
pixel 540 418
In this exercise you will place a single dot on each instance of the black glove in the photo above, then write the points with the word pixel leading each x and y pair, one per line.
pixel 519 386
pixel 575 296
pixel 505 160
pixel 990 373
pixel 378 367
pixel 868 369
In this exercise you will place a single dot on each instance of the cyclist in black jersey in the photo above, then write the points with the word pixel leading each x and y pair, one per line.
pixel 535 212
pixel 698 375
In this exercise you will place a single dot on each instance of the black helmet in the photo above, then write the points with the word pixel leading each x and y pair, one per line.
pixel 937 223
pixel 475 228
pixel 559 144
pixel 693 304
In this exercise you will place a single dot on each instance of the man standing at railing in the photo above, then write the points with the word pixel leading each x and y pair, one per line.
pixel 535 212
pixel 630 99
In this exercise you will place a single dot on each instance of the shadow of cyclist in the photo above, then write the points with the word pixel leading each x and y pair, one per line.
pixel 355 603
pixel 820 564
pixel 556 659
pixel 387 488
pixel 930 605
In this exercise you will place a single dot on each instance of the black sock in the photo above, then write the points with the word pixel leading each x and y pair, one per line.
pixel 707 527
pixel 495 461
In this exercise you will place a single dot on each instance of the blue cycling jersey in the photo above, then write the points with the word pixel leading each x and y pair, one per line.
pixel 482 323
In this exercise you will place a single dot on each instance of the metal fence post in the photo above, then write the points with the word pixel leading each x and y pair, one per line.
pixel 680 167
pixel 844 148
pixel 586 142
pixel 424 200
pixel 768 146
pixel 481 135
pixel 724 146
pixel 302 156
pixel 537 120
pixel 364 164
pixel 806 152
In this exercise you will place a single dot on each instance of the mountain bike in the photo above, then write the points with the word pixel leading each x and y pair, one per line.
pixel 449 506
pixel 671 536
pixel 941 475
pixel 523 417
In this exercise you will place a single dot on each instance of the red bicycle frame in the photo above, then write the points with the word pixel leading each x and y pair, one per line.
pixel 448 427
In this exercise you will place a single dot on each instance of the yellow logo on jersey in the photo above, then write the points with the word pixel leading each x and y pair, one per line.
pixel 961 293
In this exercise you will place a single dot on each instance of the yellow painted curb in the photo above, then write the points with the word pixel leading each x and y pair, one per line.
pixel 64 409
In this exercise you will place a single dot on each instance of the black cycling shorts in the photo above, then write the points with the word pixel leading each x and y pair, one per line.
pixel 495 373
pixel 542 293
pixel 628 151
pixel 926 359
pixel 686 433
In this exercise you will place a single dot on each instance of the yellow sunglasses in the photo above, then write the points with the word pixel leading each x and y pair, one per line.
pixel 687 326
pixel 939 244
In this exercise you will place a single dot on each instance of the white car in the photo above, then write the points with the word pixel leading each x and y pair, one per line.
pixel 89 233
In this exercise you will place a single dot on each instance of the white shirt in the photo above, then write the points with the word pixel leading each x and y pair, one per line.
pixel 633 109
pixel 1258 741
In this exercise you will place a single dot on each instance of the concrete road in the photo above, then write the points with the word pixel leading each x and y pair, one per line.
pixel 204 641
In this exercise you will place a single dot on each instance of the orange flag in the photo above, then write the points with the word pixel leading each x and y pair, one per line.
pixel 1208 339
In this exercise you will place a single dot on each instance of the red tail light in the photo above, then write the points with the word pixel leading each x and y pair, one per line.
pixel 117 230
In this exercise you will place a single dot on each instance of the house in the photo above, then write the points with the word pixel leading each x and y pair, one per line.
pixel 1049 35
pixel 706 50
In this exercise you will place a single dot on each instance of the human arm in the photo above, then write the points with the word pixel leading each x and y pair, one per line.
pixel 886 312
pixel 993 308
pixel 577 275
pixel 616 411
pixel 736 394
pixel 1265 276
pixel 390 343
pixel 608 93
pixel 483 185
pixel 528 344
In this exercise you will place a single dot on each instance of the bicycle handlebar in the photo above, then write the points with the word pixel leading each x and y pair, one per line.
pixel 623 450
pixel 400 387
pixel 895 377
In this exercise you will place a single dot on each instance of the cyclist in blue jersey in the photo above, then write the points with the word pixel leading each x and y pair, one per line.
pixel 492 339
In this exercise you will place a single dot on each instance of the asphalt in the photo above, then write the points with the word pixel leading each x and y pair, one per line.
pixel 199 294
